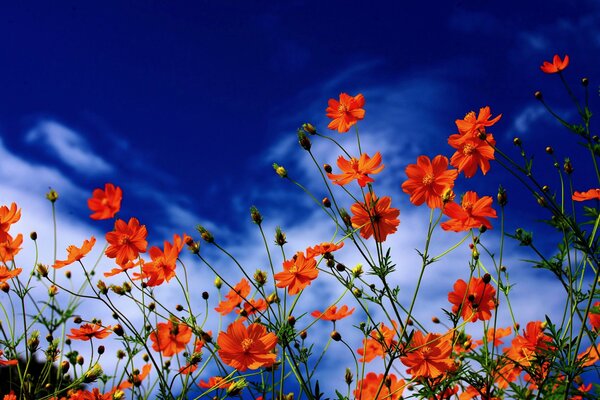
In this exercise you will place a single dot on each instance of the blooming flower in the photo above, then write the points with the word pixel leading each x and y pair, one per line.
pixel 332 313
pixel 170 337
pixel 215 382
pixel 323 248
pixel 390 389
pixel 358 169
pixel 594 316
pixel 4 363
pixel 428 180
pixel 556 66
pixel 253 306
pixel 297 273
pixel 379 343
pixel 87 331
pixel 236 295
pixel 472 153
pixel 475 301
pixel 127 241
pixel 247 347
pixel 589 195
pixel 375 217
pixel 8 216
pixel 428 356
pixel 76 253
pixel 136 379
pixel 163 264
pixel 472 213
pixel 345 112
pixel 493 336
pixel 10 248
pixel 472 126
pixel 105 203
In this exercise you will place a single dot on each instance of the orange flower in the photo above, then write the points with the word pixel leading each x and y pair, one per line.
pixel 247 347
pixel 122 268
pixel 589 195
pixel 471 126
pixel 162 267
pixel 323 248
pixel 389 387
pixel 10 396
pixel 105 203
pixel 594 316
pixel 170 337
pixel 332 313
pixel 215 382
pixel 236 295
pixel 428 356
pixel 8 216
pixel 357 169
pixel 556 66
pixel 472 153
pixel 589 356
pixel 346 112
pixel 471 214
pixel 10 248
pixel 379 343
pixel 127 241
pixel 375 217
pixel 475 301
pixel 253 306
pixel 76 253
pixel 428 180
pixel 6 274
pixel 493 336
pixel 88 331
pixel 136 379
pixel 297 273
pixel 4 363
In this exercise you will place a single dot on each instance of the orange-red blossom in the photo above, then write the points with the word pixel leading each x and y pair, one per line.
pixel 375 217
pixel 474 301
pixel 249 347
pixel 297 273
pixel 76 253
pixel 126 241
pixel 358 169
pixel 471 214
pixel 345 112
pixel 428 180
pixel 88 331
pixel 377 386
pixel 170 337
pixel 428 356
pixel 557 65
pixel 105 203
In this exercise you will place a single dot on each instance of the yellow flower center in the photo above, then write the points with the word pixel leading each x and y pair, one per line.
pixel 247 344
pixel 467 206
pixel 124 240
pixel 343 108
pixel 428 179
pixel 293 269
pixel 468 149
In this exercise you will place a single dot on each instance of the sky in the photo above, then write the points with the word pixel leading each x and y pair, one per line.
pixel 185 105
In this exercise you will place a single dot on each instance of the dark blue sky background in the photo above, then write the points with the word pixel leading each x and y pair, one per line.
pixel 186 105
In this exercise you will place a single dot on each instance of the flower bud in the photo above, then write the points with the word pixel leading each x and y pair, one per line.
pixel 549 150
pixel 205 295
pixel 538 95
pixel 102 287
pixel 34 341
pixel 517 141
pixel 326 202
pixel 309 128
pixel 345 217
pixel 435 320
pixel 486 278
pixel 335 335
pixel 545 188
pixel 255 215
pixel 52 195
pixel 64 366
pixel 179 307
pixel 279 170
pixel 568 166
pixel 272 298
pixel 279 237
pixel 52 290
pixel 42 270
pixel 585 82
pixel 33 235
pixel 502 196
pixel 5 287
pixel 118 330
pixel 93 373
pixel 291 320
pixel 357 271
pixel 303 335
pixel 327 168
pixel 193 247
pixel 218 282
pixel 101 349
pixel 304 140
pixel 348 376
pixel 260 277
pixel 205 234
pixel 448 195
pixel 340 267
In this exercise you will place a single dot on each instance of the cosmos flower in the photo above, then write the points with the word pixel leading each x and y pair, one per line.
pixel 589 195
pixel 8 216
pixel 105 203
pixel 10 248
pixel 170 337
pixel 234 298
pixel 472 126
pixel 323 248
pixel 358 169
pixel 87 331
pixel 332 313
pixel 472 154
pixel 375 217
pixel 474 301
pixel 297 273
pixel 249 347
pixel 76 253
pixel 472 213
pixel 390 389
pixel 428 356
pixel 127 241
pixel 557 65
pixel 428 180
pixel 345 112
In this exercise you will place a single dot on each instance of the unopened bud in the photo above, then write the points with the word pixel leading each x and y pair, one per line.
pixel 93 373
pixel 335 335
pixel 309 128
pixel 304 140
pixel 260 277
pixel 279 170
pixel 585 82
pixel 255 215
pixel 280 239
pixel 33 235
pixel 205 234
pixel 326 202
pixel 218 282
pixel 517 141
pixel 118 330
pixel 303 335
pixel 272 298
pixel 435 320
pixel 538 95
pixel 340 267
pixel 545 188
pixel 5 287
pixel 179 307
pixel 102 287
pixel 42 270
pixel 205 295
pixel 568 166
pixel 357 271
pixel 52 290
pixel 348 376
pixel 291 320
pixel 502 196
pixel 486 278
pixel 549 150
pixel 64 366
pixel 101 349
pixel 52 195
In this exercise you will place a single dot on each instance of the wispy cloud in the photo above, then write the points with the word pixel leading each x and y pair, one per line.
pixel 69 146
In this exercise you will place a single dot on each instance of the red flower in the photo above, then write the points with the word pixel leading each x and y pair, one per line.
pixel 170 338
pixel 247 347
pixel 236 295
pixel 493 336
pixel 357 169
pixel 215 382
pixel 375 217
pixel 87 331
pixel 594 316
pixel 428 180
pixel 10 248
pixel 556 66
pixel 346 112
pixel 162 267
pixel 389 389
pixel 429 356
pixel 332 313
pixel 105 203
pixel 297 273
pixel 8 216
pixel 6 274
pixel 127 241
pixel 472 153
pixel 589 195
pixel 470 214
pixel 380 341
pixel 472 126
pixel 323 248
pixel 474 301
pixel 136 379
pixel 76 253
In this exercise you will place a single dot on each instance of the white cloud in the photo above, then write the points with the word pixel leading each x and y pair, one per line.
pixel 69 146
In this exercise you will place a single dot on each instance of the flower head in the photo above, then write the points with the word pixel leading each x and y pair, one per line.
pixel 345 112
pixel 375 217
pixel 170 337
pixel 332 313
pixel 10 247
pixel 249 347
pixel 556 66
pixel 428 180
pixel 297 273
pixel 105 203
pixel 234 298
pixel 8 216
pixel 589 195
pixel 358 169
pixel 472 213
pixel 475 301
pixel 389 387
pixel 428 356
pixel 472 153
pixel 323 248
pixel 215 382
pixel 76 253
pixel 472 126
pixel 87 331
pixel 164 261
pixel 379 343
pixel 6 274
pixel 127 241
